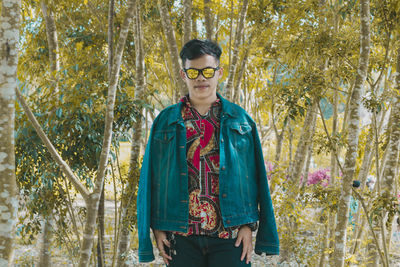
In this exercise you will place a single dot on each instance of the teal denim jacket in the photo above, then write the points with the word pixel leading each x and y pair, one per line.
pixel 163 198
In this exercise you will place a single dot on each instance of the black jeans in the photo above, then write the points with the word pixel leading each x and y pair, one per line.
pixel 204 251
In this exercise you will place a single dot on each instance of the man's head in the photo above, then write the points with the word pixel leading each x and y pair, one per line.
pixel 196 48
pixel 201 70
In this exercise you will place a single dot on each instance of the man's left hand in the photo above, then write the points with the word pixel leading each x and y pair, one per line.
pixel 245 236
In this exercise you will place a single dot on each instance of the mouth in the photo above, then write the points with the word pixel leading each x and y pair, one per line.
pixel 203 86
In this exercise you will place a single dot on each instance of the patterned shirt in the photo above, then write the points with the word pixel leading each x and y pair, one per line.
pixel 202 154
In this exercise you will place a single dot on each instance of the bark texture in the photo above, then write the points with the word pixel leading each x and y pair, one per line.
pixel 208 19
pixel 93 202
pixel 353 135
pixel 304 142
pixel 187 20
pixel 9 35
pixel 233 64
pixel 45 254
pixel 52 42
pixel 134 165
pixel 172 46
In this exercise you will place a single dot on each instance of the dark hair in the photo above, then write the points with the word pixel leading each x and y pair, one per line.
pixel 196 48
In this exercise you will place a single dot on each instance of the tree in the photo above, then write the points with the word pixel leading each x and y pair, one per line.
pixel 353 134
pixel 91 198
pixel 9 37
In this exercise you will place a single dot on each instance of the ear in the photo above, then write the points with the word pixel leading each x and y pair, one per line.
pixel 183 74
pixel 220 72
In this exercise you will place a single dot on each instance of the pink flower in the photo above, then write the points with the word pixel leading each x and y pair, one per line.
pixel 319 176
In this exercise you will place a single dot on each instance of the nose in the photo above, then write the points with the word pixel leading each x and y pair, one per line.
pixel 200 77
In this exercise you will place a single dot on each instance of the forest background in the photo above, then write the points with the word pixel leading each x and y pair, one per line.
pixel 81 82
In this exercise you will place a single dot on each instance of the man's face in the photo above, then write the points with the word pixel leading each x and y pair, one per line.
pixel 201 88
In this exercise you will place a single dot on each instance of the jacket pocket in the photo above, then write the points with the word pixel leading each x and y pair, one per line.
pixel 163 136
pixel 240 135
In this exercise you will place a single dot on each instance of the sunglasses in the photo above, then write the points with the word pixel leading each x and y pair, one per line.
pixel 207 73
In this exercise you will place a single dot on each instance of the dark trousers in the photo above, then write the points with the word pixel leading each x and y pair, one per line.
pixel 204 251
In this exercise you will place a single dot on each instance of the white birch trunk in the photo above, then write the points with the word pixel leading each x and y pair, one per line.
pixel 187 20
pixel 172 46
pixel 353 134
pixel 9 36
pixel 235 51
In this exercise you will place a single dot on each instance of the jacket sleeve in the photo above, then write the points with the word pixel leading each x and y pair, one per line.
pixel 267 239
pixel 143 206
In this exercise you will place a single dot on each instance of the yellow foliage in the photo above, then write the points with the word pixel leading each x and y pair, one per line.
pixel 79 46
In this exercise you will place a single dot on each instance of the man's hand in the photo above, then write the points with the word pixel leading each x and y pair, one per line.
pixel 245 236
pixel 161 240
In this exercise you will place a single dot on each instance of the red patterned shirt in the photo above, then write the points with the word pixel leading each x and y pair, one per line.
pixel 202 154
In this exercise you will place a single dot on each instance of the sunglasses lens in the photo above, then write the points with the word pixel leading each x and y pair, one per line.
pixel 208 73
pixel 192 73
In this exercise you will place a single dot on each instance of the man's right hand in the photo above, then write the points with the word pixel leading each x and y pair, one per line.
pixel 161 240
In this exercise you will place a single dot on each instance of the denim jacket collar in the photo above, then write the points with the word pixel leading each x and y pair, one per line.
pixel 175 115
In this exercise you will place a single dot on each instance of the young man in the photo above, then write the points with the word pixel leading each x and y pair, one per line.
pixel 203 185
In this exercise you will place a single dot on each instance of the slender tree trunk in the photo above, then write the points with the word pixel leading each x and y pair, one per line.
pixel 129 196
pixel 309 152
pixel 45 254
pixel 235 52
pixel 9 35
pixel 208 19
pixel 100 231
pixel 52 42
pixel 242 69
pixel 100 214
pixel 187 20
pixel 93 201
pixel 353 134
pixel 172 46
pixel 304 142
pixel 389 171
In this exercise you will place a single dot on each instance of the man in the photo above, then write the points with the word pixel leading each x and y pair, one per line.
pixel 203 185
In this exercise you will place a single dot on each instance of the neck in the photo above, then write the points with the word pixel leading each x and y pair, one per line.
pixel 203 105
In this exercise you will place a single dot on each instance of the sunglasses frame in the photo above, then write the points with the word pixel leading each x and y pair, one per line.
pixel 201 71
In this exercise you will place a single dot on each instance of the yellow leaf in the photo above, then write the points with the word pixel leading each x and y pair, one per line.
pixel 79 46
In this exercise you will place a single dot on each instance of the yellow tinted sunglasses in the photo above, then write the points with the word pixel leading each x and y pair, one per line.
pixel 207 72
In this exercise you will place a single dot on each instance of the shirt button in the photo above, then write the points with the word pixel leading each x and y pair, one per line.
pixel 228 221
pixel 222 140
pixel 223 168
pixel 224 195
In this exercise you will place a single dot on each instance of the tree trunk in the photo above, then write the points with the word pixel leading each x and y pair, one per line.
pixel 208 19
pixel 334 164
pixel 389 172
pixel 309 152
pixel 52 41
pixel 9 36
pixel 235 52
pixel 187 20
pixel 353 134
pixel 242 69
pixel 172 46
pixel 45 254
pixel 304 142
pixel 129 196
pixel 93 201
pixel 100 231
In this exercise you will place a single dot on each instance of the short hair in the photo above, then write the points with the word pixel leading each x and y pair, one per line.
pixel 196 48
